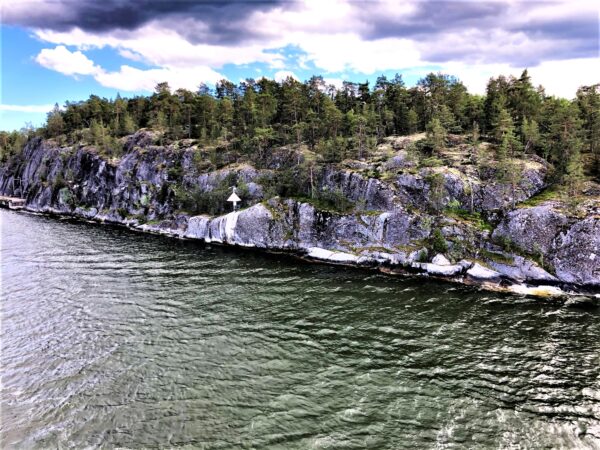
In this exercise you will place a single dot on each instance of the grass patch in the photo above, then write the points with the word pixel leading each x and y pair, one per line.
pixel 553 193
pixel 334 202
pixel 497 257
pixel 432 161
pixel 473 218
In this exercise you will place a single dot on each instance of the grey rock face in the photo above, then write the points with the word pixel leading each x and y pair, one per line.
pixel 440 260
pixel 197 227
pixel 370 192
pixel 400 160
pixel 531 229
pixel 256 227
pixel 576 253
pixel 523 270
pixel 482 273
pixel 391 220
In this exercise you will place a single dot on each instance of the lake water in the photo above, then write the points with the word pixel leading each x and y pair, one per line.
pixel 117 339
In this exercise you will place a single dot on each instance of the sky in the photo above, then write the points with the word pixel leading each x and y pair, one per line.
pixel 58 50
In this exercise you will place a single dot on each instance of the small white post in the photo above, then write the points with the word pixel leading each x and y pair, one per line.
pixel 233 198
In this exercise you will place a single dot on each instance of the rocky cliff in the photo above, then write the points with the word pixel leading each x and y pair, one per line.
pixel 454 221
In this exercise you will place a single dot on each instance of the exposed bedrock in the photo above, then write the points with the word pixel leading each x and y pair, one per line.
pixel 392 221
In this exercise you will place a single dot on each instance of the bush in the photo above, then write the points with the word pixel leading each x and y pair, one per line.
pixel 334 200
pixel 454 205
pixel 432 161
pixel 505 242
pixel 438 242
pixel 213 202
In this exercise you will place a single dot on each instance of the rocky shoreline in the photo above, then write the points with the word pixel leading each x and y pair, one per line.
pixel 221 231
pixel 391 227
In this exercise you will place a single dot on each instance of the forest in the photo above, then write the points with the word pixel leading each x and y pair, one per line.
pixel 514 116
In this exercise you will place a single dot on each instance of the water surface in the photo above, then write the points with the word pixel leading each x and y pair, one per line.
pixel 117 339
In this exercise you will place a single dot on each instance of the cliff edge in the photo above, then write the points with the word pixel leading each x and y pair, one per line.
pixel 451 217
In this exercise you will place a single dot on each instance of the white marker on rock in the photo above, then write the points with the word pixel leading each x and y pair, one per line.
pixel 234 199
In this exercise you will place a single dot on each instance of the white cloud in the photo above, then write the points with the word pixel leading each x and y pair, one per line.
pixel 26 108
pixel 283 74
pixel 342 36
pixel 555 76
pixel 348 52
pixel 558 76
pixel 127 78
pixel 158 45
pixel 64 61
pixel 131 79
pixel 337 82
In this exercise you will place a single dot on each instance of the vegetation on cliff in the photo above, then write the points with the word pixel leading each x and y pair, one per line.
pixel 245 122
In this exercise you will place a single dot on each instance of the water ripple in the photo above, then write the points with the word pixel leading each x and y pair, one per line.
pixel 115 339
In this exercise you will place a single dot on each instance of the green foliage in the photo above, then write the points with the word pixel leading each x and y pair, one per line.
pixel 552 193
pixel 252 117
pixel 506 243
pixel 12 143
pixel 436 134
pixel 214 202
pixel 588 102
pixel 54 123
pixel 438 242
pixel 454 205
pixel 530 133
pixel 496 257
pixel 473 218
pixel 432 161
pixel 333 200
pixel 123 212
pixel 574 177
pixel 57 184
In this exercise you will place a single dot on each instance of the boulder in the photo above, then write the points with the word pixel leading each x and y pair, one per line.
pixel 531 229
pixel 576 253
pixel 197 227
pixel 440 260
pixel 479 272
pixel 522 269
pixel 327 255
pixel 400 160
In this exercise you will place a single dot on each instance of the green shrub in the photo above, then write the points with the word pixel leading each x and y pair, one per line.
pixel 505 242
pixel 334 200
pixel 438 242
pixel 454 205
pixel 432 161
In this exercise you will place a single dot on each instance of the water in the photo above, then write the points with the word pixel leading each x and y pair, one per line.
pixel 116 339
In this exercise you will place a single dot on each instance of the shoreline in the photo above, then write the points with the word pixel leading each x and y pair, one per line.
pixel 471 274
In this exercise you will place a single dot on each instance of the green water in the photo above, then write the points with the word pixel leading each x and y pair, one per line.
pixel 115 339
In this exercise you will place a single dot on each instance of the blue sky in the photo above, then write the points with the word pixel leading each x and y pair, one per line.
pixel 54 51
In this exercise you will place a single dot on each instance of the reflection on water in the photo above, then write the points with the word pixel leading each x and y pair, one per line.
pixel 112 339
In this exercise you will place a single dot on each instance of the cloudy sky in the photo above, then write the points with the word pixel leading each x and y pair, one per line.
pixel 58 50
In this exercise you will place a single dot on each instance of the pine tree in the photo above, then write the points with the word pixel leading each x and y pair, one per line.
pixel 574 176
pixel 523 99
pixel 509 167
pixel 531 134
pixel 128 125
pixel 588 100
pixel 159 120
pixel 436 134
pixel 412 121
pixel 502 124
pixel 55 124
